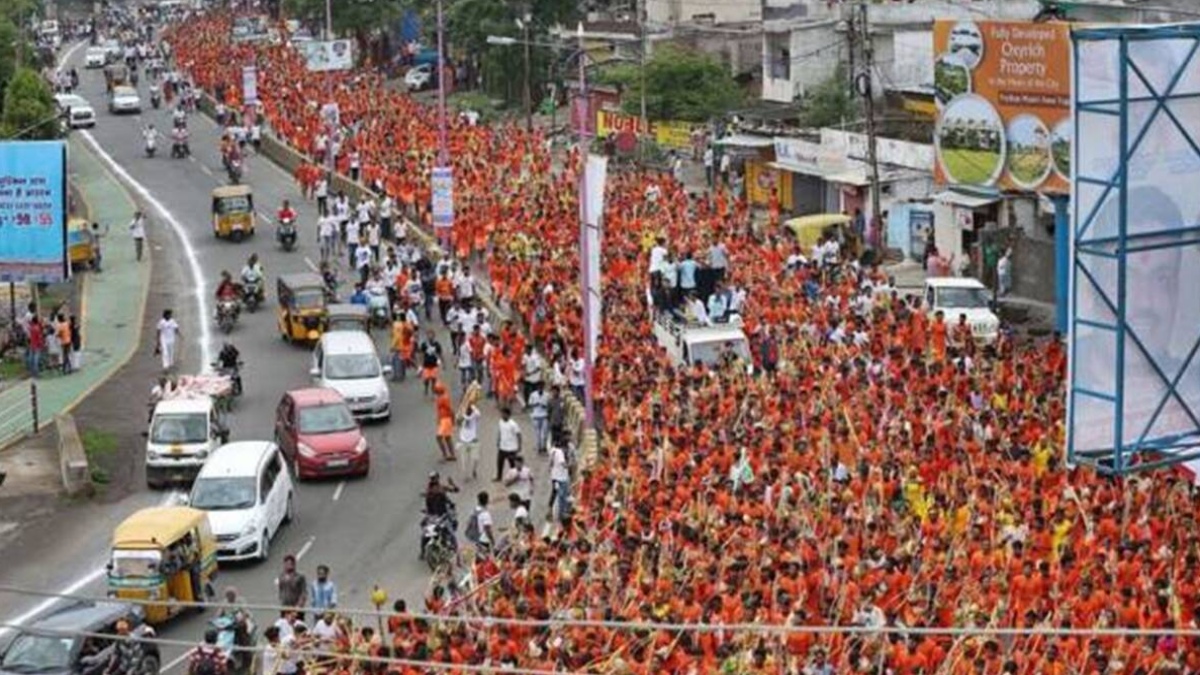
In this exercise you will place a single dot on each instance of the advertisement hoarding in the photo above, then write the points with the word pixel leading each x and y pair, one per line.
pixel 249 84
pixel 669 134
pixel 322 55
pixel 1003 91
pixel 442 184
pixel 33 211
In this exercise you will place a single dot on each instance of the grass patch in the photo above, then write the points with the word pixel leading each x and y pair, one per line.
pixel 970 166
pixel 12 369
pixel 98 445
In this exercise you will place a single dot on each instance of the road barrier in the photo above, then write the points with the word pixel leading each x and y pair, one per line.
pixel 18 412
pixel 72 458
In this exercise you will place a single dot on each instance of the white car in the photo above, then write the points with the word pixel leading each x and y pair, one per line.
pixel 248 494
pixel 96 57
pixel 124 100
pixel 419 77
pixel 346 361
pixel 113 49
pixel 78 111
pixel 958 297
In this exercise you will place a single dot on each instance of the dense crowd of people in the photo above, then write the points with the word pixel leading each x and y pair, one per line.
pixel 877 469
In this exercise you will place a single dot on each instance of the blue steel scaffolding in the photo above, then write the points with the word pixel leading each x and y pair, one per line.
pixel 1095 254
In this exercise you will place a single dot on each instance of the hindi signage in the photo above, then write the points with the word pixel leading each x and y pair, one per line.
pixel 33 211
pixel 443 197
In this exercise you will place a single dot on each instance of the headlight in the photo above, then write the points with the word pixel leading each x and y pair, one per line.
pixel 250 528
pixel 305 450
pixel 361 447
pixel 151 454
pixel 202 454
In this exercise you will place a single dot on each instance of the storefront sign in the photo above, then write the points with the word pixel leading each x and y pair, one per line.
pixel 33 211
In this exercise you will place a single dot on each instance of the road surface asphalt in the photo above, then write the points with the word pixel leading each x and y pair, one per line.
pixel 366 530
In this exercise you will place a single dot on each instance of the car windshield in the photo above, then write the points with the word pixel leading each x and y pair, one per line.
pixel 128 564
pixel 309 299
pixel 223 494
pixel 351 366
pixel 180 428
pixel 962 298
pixel 38 653
pixel 326 419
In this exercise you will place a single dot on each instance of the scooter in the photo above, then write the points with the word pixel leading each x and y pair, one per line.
pixel 235 171
pixel 227 314
pixel 236 638
pixel 151 146
pixel 155 96
pixel 286 234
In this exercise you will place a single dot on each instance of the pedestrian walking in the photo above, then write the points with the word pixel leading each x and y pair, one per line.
pixel 76 343
pixel 508 442
pixel 292 586
pixel 560 482
pixel 323 592
pixel 445 421
pixel 168 336
pixel 539 413
pixel 64 341
pixel 137 230
pixel 98 235
pixel 322 193
pixel 468 441
pixel 35 346
pixel 519 480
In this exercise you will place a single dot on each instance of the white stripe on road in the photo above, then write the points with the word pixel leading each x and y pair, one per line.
pixel 174 662
pixel 305 548
pixel 193 260
pixel 311 265
pixel 207 171
pixel 337 494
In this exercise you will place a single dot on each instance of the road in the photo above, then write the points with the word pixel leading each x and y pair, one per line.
pixel 366 530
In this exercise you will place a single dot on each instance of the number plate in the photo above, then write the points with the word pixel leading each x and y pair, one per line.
pixel 338 463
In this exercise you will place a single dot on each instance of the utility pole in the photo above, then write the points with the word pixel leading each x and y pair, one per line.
pixel 868 90
pixel 642 62
pixel 528 91
pixel 852 39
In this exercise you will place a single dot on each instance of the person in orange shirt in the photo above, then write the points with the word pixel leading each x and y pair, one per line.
pixel 445 422
pixel 939 330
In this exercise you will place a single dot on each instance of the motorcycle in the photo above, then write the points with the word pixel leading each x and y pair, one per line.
pixel 286 234
pixel 439 545
pixel 234 373
pixel 235 171
pixel 331 285
pixel 227 314
pixel 180 149
pixel 252 295
pixel 151 147
pixel 377 305
pixel 236 638
pixel 155 97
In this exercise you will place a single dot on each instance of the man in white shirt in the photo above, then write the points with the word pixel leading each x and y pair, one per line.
pixel 519 480
pixel 168 335
pixel 487 532
pixel 386 209
pixel 137 230
pixel 560 483
pixel 657 255
pixel 327 236
pixel 508 442
pixel 538 405
pixel 531 369
pixel 468 441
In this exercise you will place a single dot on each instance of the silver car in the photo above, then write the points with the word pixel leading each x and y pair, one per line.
pixel 124 100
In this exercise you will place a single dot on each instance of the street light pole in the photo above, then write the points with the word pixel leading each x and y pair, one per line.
pixel 528 91
pixel 443 151
pixel 589 406
pixel 328 19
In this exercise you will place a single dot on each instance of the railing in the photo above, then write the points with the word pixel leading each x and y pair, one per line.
pixel 18 412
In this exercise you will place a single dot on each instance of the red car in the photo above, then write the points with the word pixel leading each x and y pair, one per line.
pixel 319 436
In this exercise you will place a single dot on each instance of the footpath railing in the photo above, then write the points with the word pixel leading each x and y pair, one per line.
pixel 18 412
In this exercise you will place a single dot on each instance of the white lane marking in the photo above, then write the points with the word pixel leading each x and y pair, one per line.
pixel 75 586
pixel 266 218
pixel 174 662
pixel 305 548
pixel 207 171
pixel 337 494
pixel 311 265
pixel 193 259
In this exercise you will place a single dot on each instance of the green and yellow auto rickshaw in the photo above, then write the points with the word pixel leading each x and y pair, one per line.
pixel 233 212
pixel 302 308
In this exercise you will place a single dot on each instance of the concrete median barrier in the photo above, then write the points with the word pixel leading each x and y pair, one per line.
pixel 72 457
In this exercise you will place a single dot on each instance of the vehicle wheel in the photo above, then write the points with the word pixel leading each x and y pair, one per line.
pixel 149 665
pixel 153 484
pixel 264 547
pixel 289 516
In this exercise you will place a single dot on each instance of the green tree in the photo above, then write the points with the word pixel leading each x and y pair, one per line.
pixel 29 108
pixel 830 103
pixel 680 84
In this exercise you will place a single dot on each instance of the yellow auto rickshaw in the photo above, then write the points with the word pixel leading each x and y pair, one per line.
pixel 81 245
pixel 809 230
pixel 233 212
pixel 302 310
pixel 165 553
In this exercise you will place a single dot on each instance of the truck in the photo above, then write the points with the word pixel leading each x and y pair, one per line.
pixel 688 343
pixel 963 296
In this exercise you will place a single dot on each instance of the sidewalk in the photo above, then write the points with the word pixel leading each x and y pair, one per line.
pixel 111 307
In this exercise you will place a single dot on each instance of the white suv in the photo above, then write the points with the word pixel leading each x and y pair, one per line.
pixel 248 495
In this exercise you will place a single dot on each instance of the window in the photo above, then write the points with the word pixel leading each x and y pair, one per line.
pixel 37 653
pixel 781 64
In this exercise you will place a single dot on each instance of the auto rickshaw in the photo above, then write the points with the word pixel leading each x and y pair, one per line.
pixel 233 212
pixel 302 312
pixel 811 229
pixel 347 317
pixel 115 75
pixel 81 246
pixel 165 553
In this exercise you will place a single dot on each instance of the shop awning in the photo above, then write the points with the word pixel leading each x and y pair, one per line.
pixel 966 200
pixel 814 170
pixel 746 141
pixel 856 178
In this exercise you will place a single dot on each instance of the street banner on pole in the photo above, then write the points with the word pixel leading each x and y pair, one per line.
pixel 323 55
pixel 595 177
pixel 249 84
pixel 443 197
pixel 33 211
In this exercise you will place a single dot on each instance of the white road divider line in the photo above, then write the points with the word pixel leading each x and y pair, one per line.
pixel 166 667
pixel 311 265
pixel 337 494
pixel 305 548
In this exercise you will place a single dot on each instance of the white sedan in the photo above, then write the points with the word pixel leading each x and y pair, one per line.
pixel 78 111
pixel 124 100
pixel 419 77
pixel 96 57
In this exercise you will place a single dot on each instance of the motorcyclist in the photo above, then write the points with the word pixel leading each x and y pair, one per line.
pixel 227 289
pixel 252 275
pixel 150 134
pixel 179 116
pixel 437 495
pixel 286 213
pixel 360 296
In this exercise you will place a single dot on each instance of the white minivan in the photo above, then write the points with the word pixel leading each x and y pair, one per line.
pixel 183 433
pixel 346 361
pixel 248 495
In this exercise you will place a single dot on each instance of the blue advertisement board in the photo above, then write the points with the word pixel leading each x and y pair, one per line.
pixel 33 211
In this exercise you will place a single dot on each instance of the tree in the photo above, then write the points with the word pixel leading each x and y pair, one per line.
pixel 29 108
pixel 681 84
pixel 830 103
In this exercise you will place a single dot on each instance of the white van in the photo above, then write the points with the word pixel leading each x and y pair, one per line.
pixel 183 433
pixel 691 343
pixel 346 361
pixel 963 296
pixel 248 495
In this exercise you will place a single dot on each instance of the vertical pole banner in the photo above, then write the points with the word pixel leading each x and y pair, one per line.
pixel 249 85
pixel 33 211
pixel 442 184
pixel 595 176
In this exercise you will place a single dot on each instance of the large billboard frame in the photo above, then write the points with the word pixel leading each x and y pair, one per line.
pixel 1103 241
pixel 24 258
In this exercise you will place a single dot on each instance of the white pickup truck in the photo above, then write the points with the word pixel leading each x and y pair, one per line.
pixel 955 296
pixel 689 343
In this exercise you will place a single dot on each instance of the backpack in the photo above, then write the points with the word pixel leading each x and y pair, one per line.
pixel 473 532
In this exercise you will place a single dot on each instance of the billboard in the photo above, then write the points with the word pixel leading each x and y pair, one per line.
pixel 670 134
pixel 442 185
pixel 249 84
pixel 1134 368
pixel 322 55
pixel 33 211
pixel 1003 95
